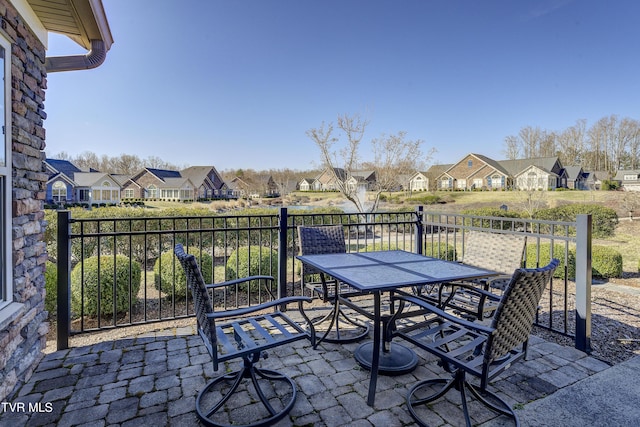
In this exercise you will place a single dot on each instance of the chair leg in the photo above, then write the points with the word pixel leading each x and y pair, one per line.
pixel 215 408
pixel 460 383
pixel 336 317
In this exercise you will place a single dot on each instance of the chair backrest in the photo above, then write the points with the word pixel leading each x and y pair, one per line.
pixel 516 312
pixel 494 251
pixel 202 302
pixel 320 239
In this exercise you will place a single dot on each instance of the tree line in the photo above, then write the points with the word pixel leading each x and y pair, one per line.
pixel 610 144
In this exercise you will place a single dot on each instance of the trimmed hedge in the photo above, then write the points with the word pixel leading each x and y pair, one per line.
pixel 244 262
pixel 490 212
pixel 127 275
pixel 545 258
pixel 51 287
pixel 604 220
pixel 163 279
pixel 606 262
pixel 440 250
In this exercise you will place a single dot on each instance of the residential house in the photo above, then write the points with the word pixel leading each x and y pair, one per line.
pixel 129 189
pixel 326 181
pixel 365 179
pixel 576 178
pixel 541 173
pixel 629 179
pixel 23 174
pixel 594 179
pixel 474 171
pixel 418 182
pixel 307 184
pixel 96 188
pixel 207 181
pixel 160 184
pixel 60 184
pixel 254 186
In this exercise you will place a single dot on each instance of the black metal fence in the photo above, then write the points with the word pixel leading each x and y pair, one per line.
pixel 119 272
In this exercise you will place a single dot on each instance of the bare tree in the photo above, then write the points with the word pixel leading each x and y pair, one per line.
pixel 512 147
pixel 394 156
pixel 570 144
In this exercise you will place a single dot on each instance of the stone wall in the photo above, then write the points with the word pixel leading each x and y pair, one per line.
pixel 23 337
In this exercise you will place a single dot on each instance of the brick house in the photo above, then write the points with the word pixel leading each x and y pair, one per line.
pixel 23 177
pixel 474 171
pixel 207 181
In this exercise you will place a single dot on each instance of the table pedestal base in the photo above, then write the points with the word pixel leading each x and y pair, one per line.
pixel 397 361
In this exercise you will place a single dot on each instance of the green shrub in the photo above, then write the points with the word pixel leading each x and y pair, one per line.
pixel 172 272
pixel 489 223
pixel 606 262
pixel 51 287
pixel 381 246
pixel 545 258
pixel 243 263
pixel 440 250
pixel 127 280
pixel 604 219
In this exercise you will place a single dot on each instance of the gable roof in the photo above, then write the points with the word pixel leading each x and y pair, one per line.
pixel 62 166
pixel 198 174
pixel 514 167
pixel 574 172
pixel 88 179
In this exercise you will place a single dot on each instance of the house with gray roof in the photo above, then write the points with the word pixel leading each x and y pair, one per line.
pixel 629 179
pixel 160 184
pixel 208 182
pixel 476 171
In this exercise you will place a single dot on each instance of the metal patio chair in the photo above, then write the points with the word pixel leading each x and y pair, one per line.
pixel 499 252
pixel 466 347
pixel 328 239
pixel 243 333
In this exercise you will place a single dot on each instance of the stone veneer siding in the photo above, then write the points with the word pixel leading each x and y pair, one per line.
pixel 23 338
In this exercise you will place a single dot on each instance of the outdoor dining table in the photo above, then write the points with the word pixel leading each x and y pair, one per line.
pixel 386 271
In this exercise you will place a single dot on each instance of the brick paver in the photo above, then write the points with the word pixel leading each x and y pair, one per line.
pixel 154 379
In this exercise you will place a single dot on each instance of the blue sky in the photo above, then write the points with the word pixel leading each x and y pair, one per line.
pixel 237 83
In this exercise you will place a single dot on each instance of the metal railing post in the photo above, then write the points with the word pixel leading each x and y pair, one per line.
pixel 583 283
pixel 419 229
pixel 282 252
pixel 63 291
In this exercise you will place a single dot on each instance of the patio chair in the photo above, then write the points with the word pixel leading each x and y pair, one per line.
pixel 465 347
pixel 328 239
pixel 474 299
pixel 243 333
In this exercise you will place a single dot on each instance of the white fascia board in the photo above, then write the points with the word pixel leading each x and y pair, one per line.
pixel 32 20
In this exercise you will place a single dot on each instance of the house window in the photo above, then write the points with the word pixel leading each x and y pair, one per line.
pixel 128 193
pixel 84 195
pixel 5 176
pixel 477 183
pixel 152 192
pixel 470 163
pixel 461 184
pixel 59 192
pixel 496 181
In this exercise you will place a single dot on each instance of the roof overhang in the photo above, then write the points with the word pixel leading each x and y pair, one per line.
pixel 83 21
pixel 80 20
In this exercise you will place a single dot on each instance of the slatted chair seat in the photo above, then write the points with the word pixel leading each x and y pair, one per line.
pixel 478 299
pixel 466 347
pixel 339 326
pixel 246 334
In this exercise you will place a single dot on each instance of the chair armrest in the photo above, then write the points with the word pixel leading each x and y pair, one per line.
pixel 237 281
pixel 473 289
pixel 425 305
pixel 239 312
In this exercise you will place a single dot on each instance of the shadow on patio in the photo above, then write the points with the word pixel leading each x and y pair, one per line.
pixel 154 378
